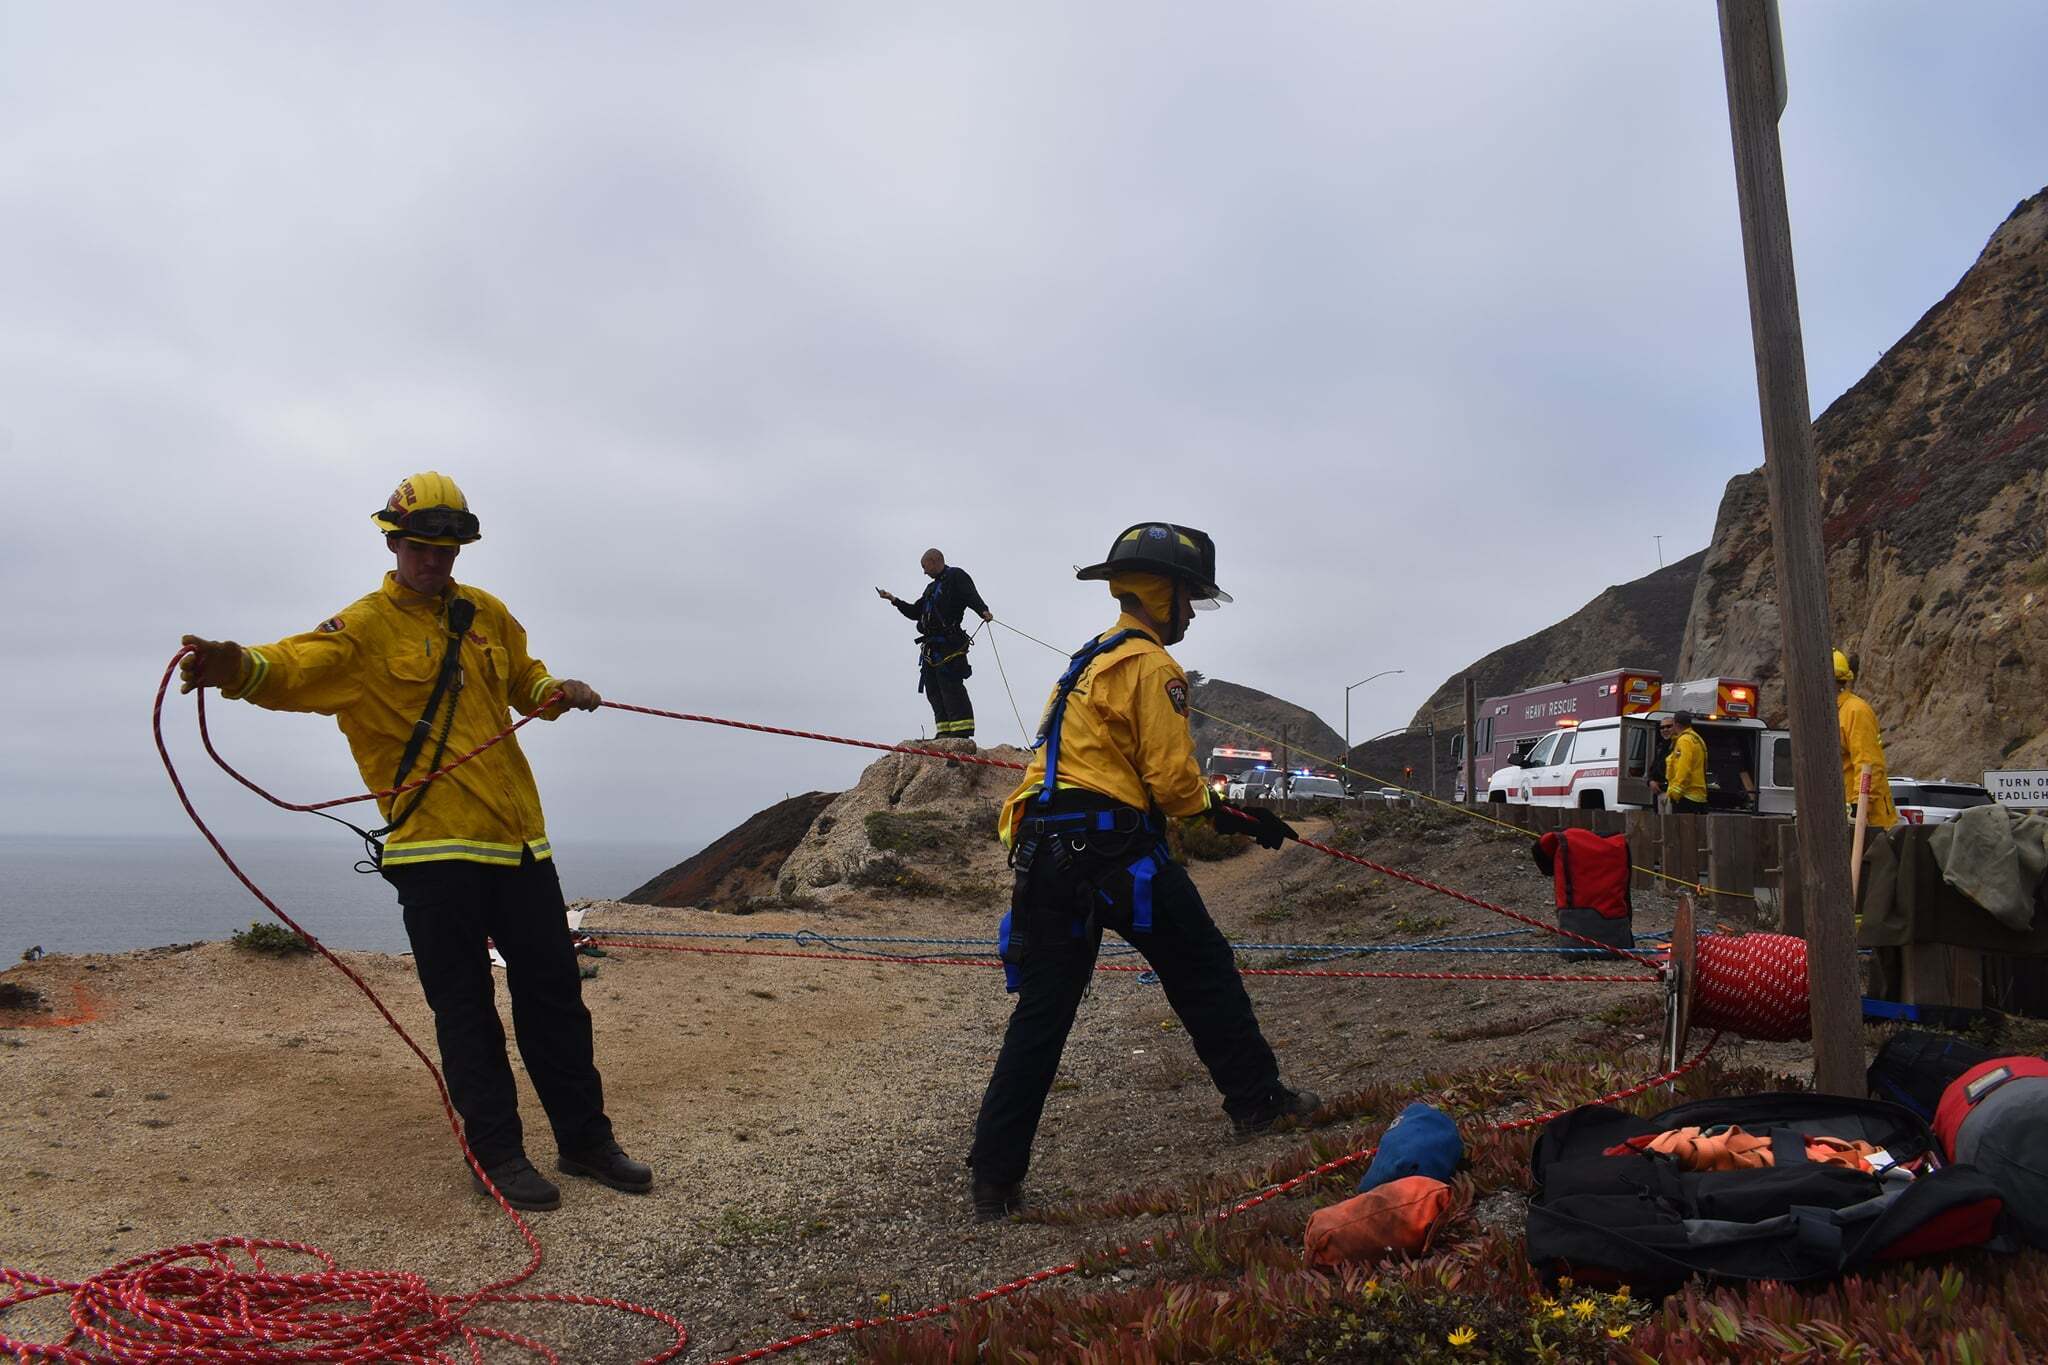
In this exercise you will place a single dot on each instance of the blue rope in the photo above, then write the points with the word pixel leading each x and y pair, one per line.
pixel 811 938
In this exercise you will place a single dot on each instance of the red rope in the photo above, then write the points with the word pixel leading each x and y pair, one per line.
pixel 1443 890
pixel 206 738
pixel 198 1302
pixel 908 961
pixel 1038 1277
pixel 978 759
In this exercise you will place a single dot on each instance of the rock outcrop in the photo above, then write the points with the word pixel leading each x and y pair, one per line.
pixel 906 810
pixel 1934 487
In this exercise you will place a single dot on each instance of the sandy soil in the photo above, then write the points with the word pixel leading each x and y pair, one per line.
pixel 807 1121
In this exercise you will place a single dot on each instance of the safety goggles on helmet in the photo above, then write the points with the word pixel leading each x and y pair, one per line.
pixel 439 523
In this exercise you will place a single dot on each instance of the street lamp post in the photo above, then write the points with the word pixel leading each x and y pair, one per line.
pixel 1347 710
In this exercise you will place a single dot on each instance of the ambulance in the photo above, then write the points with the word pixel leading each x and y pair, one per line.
pixel 1607 759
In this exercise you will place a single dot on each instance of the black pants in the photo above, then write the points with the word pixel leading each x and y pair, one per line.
pixel 1195 968
pixel 952 713
pixel 1681 805
pixel 450 909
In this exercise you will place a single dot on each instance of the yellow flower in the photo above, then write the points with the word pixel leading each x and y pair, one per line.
pixel 1464 1336
pixel 1557 1312
pixel 1585 1308
pixel 1372 1286
pixel 1619 1332
pixel 882 1299
pixel 1564 1282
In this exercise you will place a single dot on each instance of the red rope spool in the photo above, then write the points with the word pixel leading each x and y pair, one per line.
pixel 1751 985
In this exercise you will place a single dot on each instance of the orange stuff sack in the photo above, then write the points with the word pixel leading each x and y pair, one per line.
pixel 1400 1215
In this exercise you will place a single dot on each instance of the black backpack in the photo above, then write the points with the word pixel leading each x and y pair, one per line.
pixel 1637 1219
pixel 1914 1067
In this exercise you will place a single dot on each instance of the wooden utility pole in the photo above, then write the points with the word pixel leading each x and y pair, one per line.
pixel 1471 733
pixel 1752 58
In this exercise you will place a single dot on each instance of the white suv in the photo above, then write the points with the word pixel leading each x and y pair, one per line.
pixel 1936 803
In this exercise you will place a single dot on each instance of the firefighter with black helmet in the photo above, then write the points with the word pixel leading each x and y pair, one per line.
pixel 942 667
pixel 421 670
pixel 1086 830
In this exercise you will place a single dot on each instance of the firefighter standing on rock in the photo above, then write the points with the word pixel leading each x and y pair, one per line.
pixel 419 671
pixel 942 667
pixel 1086 830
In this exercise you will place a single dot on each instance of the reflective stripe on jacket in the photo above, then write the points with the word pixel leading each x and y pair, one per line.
pixel 1861 745
pixel 1125 735
pixel 1685 767
pixel 373 668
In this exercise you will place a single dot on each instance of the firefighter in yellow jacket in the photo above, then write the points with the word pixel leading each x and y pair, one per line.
pixel 1861 744
pixel 1086 831
pixel 1685 764
pixel 421 671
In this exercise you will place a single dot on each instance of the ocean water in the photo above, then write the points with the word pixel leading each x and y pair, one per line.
pixel 103 895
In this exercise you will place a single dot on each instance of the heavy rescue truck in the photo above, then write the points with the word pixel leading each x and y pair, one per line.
pixel 1592 743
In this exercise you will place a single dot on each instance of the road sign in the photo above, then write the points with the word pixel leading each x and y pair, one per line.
pixel 2017 787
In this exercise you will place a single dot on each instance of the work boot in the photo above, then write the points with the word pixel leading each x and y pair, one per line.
pixel 522 1185
pixel 993 1202
pixel 608 1165
pixel 1282 1108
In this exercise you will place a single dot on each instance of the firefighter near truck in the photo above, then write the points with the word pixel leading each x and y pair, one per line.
pixel 1592 743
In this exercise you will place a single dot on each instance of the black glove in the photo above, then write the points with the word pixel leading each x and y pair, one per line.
pixel 1255 823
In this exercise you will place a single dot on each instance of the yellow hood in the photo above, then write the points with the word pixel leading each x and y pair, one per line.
pixel 1153 591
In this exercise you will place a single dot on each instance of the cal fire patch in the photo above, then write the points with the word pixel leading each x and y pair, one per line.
pixel 1177 693
pixel 330 625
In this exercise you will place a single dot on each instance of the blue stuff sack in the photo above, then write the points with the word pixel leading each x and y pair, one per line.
pixel 1421 1141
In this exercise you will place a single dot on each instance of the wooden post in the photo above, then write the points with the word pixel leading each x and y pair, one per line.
pixel 1675 848
pixel 1731 854
pixel 1791 884
pixel 1752 63
pixel 1471 732
pixel 1642 850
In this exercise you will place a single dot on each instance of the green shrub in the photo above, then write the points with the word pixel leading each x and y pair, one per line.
pixel 909 831
pixel 272 939
pixel 890 875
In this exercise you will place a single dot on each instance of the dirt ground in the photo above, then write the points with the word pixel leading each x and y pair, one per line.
pixel 806 1120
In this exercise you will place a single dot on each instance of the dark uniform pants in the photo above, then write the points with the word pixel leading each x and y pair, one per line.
pixel 1685 805
pixel 952 713
pixel 450 909
pixel 1197 970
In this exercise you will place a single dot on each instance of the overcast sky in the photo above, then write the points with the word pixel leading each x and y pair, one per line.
pixel 1433 315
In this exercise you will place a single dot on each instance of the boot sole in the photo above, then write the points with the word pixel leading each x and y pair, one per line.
pixel 578 1169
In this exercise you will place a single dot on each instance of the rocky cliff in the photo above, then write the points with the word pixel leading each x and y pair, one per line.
pixel 1934 488
pixel 1632 625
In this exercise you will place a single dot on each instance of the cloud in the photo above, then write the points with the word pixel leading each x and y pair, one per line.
pixel 723 314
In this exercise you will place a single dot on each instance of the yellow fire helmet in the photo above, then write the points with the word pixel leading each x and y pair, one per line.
pixel 1843 673
pixel 428 508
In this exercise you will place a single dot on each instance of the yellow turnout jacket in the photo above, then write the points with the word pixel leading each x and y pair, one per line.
pixel 1685 767
pixel 1860 745
pixel 1125 735
pixel 373 668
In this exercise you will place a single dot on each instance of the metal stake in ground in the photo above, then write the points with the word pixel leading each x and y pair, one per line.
pixel 1753 62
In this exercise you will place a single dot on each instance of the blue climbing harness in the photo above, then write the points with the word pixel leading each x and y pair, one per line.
pixel 1045 824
